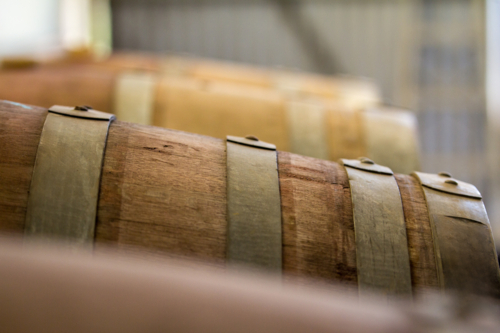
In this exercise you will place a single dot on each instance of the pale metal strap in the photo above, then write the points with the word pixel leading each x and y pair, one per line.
pixel 392 138
pixel 65 184
pixel 254 204
pixel 463 242
pixel 308 128
pixel 134 97
pixel 382 256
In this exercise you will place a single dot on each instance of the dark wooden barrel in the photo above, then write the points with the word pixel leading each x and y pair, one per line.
pixel 164 191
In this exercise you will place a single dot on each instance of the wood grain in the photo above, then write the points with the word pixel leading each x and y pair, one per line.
pixel 20 130
pixel 164 191
pixel 318 228
pixel 418 230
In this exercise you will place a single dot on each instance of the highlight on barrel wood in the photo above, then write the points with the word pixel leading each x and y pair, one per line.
pixel 166 192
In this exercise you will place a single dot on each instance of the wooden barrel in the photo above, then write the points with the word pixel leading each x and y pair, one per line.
pixel 308 126
pixel 311 127
pixel 353 92
pixel 350 91
pixel 57 291
pixel 165 191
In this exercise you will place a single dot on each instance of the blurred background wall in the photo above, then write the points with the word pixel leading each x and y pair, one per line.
pixel 426 55
pixel 45 28
pixel 493 109
pixel 37 30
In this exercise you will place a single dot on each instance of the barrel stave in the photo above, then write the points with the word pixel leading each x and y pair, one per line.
pixel 20 130
pixel 318 227
pixel 418 230
pixel 163 190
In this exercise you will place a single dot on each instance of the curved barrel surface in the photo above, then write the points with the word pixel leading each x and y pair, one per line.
pixel 165 191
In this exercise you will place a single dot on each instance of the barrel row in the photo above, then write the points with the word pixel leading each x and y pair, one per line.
pixel 243 202
pixel 311 127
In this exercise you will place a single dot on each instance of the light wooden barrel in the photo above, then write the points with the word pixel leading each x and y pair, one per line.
pixel 309 126
pixel 164 191
pixel 353 92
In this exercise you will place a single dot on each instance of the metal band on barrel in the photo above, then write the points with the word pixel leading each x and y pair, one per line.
pixel 253 204
pixel 383 261
pixel 134 97
pixel 64 189
pixel 463 242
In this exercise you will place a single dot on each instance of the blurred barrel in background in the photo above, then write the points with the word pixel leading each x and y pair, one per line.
pixel 309 115
pixel 308 126
pixel 353 92
pixel 164 191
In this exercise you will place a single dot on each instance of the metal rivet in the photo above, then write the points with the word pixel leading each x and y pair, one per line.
pixel 83 108
pixel 251 137
pixel 451 182
pixel 366 160
pixel 445 174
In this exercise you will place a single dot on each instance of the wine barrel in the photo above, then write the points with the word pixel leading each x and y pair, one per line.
pixel 308 126
pixel 352 92
pixel 115 294
pixel 172 192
